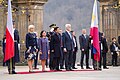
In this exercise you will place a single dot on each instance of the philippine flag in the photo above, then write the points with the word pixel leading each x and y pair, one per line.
pixel 94 32
pixel 9 51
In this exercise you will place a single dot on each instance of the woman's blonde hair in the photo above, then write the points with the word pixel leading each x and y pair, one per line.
pixel 29 27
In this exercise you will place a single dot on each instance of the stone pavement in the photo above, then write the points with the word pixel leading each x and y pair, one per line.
pixel 113 73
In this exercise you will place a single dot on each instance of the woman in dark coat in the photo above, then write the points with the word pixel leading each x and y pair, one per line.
pixel 43 44
pixel 31 45
pixel 56 47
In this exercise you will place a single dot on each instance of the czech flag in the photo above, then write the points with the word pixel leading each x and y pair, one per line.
pixel 94 32
pixel 9 50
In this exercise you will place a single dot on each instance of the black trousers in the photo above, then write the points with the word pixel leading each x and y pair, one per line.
pixel 104 59
pixel 74 57
pixel 51 61
pixel 62 59
pixel 86 53
pixel 36 60
pixel 68 59
pixel 57 62
pixel 114 58
pixel 9 65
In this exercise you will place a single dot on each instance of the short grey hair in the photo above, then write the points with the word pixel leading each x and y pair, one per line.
pixel 67 25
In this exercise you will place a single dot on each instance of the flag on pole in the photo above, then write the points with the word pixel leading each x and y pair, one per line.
pixel 9 50
pixel 94 32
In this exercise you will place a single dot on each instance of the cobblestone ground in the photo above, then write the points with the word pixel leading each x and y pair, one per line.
pixel 113 73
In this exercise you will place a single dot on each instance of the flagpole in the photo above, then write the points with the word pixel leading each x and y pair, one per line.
pixel 9 51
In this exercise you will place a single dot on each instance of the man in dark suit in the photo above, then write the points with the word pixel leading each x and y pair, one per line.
pixel 119 40
pixel 56 47
pixel 75 49
pixel 62 59
pixel 104 51
pixel 68 46
pixel 84 47
pixel 16 57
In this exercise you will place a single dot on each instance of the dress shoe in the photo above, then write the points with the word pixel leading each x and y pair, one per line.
pixel 105 68
pixel 97 69
pixel 36 68
pixel 44 71
pixel 74 68
pixel 71 69
pixel 62 68
pixel 31 71
pixel 88 68
pixel 58 70
pixel 116 65
pixel 67 69
pixel 82 68
pixel 13 72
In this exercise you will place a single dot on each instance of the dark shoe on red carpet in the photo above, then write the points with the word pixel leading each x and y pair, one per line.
pixel 82 68
pixel 74 68
pixel 44 71
pixel 31 71
pixel 62 68
pixel 71 69
pixel 67 70
pixel 58 70
pixel 98 69
pixel 36 68
pixel 88 68
pixel 105 68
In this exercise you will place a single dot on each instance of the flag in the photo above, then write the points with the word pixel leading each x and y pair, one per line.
pixel 94 32
pixel 9 50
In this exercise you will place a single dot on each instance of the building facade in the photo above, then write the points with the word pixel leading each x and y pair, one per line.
pixel 110 19
pixel 25 12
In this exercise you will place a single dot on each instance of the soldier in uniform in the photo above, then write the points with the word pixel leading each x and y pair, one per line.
pixel 16 57
pixel 49 34
pixel 3 49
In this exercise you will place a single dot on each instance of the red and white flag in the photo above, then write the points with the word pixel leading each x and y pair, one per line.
pixel 94 32
pixel 9 50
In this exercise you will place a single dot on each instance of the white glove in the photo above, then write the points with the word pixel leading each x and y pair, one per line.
pixel 65 50
pixel 112 53
pixel 82 49
pixel 19 46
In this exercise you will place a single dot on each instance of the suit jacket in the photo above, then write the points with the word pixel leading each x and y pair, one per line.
pixel 56 44
pixel 76 48
pixel 119 39
pixel 16 49
pixel 16 35
pixel 67 41
pixel 31 40
pixel 84 42
pixel 105 46
pixel 112 48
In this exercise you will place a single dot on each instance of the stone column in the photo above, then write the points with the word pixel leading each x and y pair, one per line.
pixel 29 12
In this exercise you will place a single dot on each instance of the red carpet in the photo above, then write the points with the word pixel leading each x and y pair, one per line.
pixel 52 71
